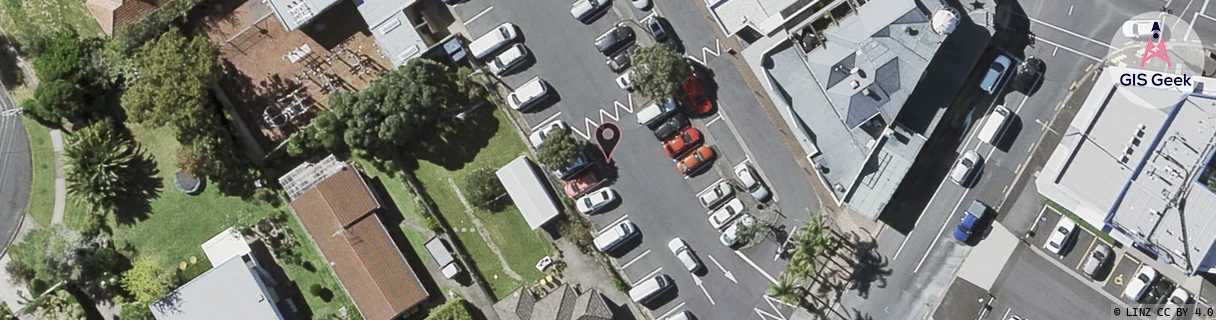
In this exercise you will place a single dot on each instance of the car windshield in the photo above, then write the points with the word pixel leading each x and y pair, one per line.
pixel 506 34
pixel 1054 244
pixel 1099 255
pixel 966 162
pixel 604 195
pixel 587 202
pixel 687 137
pixel 997 67
pixel 1143 278
pixel 1063 230
pixel 1176 300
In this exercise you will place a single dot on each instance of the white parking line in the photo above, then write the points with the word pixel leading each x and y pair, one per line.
pixel 1044 23
pixel 635 259
pixel 648 276
pixel 478 15
pixel 1078 52
pixel 673 310
pixel 715 119
pixel 618 221
pixel 711 186
pixel 754 266
pixel 1205 7
pixel 546 121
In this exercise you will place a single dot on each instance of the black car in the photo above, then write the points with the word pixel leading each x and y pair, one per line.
pixel 670 127
pixel 614 39
pixel 580 164
pixel 659 32
pixel 1028 74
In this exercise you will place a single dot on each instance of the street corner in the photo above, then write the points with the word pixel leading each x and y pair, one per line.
pixel 1121 273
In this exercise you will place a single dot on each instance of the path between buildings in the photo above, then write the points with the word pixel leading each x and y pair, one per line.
pixel 61 192
pixel 485 235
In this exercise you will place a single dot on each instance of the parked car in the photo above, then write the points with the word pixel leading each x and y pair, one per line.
pixel 1028 74
pixel 1177 299
pixel 1138 29
pixel 581 163
pixel 557 126
pixel 660 33
pixel 587 10
pixel 669 128
pixel 652 115
pixel 640 4
pixel 1060 235
pixel 716 194
pixel 970 222
pixel 645 291
pixel 720 218
pixel 625 81
pixel 694 95
pixel 695 159
pixel 1145 277
pixel 1095 260
pixel 583 184
pixel 730 237
pixel 685 254
pixel 685 315
pixel 751 182
pixel 509 59
pixel 596 200
pixel 966 169
pixel 442 255
pixel 996 71
pixel 615 236
pixel 680 143
pixel 528 94
pixel 488 43
pixel 621 60
pixel 611 41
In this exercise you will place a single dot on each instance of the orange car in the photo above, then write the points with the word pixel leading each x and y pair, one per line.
pixel 696 97
pixel 680 143
pixel 694 160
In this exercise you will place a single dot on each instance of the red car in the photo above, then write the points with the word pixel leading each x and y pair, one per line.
pixel 696 98
pixel 680 143
pixel 694 160
pixel 583 184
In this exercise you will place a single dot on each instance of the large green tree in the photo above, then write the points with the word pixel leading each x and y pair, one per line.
pixel 658 72
pixel 101 166
pixel 51 253
pixel 55 100
pixel 62 57
pixel 148 280
pixel 174 75
pixel 483 189
pixel 557 151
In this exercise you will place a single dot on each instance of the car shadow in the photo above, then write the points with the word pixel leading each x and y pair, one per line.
pixel 550 100
pixel 1011 133
pixel 627 246
pixel 663 298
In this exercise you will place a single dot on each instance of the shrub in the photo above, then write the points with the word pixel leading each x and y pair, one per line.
pixel 20 272
pixel 578 234
pixel 315 289
pixel 454 309
pixel 430 223
pixel 135 311
pixel 483 190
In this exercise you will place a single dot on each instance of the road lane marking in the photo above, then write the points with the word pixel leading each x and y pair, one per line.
pixel 673 309
pixel 1184 9
pixel 711 186
pixel 648 276
pixel 715 119
pixel 635 259
pixel 729 276
pixel 1006 316
pixel 478 15
pixel 546 121
pixel 1070 10
pixel 589 125
pixel 1078 52
pixel 1044 23
pixel 701 284
pixel 706 52
pixel 618 221
pixel 1053 51
pixel 754 266
pixel 1205 7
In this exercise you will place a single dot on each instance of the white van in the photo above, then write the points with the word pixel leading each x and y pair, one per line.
pixel 654 113
pixel 586 10
pixel 615 236
pixel 528 94
pixel 490 42
pixel 650 288
pixel 995 127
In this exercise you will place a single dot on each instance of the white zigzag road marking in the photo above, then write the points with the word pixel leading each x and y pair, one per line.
pixel 706 52
pixel 590 125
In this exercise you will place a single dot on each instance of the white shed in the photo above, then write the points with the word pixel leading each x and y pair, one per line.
pixel 524 183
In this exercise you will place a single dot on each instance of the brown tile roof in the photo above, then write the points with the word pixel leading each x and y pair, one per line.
pixel 366 260
pixel 112 15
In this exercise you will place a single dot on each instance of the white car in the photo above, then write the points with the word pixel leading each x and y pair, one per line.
pixel 995 72
pixel 1139 285
pixel 715 195
pixel 721 217
pixel 596 200
pixel 966 169
pixel 640 4
pixel 730 237
pixel 528 94
pixel 509 59
pixel 1138 29
pixel 625 81
pixel 684 254
pixel 488 43
pixel 538 137
pixel 1177 299
pixel 1058 239
pixel 751 182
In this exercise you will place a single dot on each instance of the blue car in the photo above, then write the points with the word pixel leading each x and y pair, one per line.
pixel 970 223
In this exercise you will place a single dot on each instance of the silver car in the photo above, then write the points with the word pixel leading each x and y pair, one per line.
pixel 966 169
pixel 1095 260
pixel 995 72
pixel 684 254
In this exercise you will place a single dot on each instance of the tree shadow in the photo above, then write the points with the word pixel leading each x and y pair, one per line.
pixel 456 142
pixel 10 69
pixel 870 268
pixel 144 185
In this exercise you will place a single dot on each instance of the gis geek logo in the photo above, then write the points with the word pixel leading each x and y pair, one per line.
pixel 1155 49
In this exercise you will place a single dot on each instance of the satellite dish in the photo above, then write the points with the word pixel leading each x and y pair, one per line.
pixel 945 21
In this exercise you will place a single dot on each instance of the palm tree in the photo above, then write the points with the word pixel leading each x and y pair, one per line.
pixel 99 164
pixel 785 290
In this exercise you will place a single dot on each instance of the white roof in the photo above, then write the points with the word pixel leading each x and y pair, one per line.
pixel 231 290
pixel 226 245
pixel 530 195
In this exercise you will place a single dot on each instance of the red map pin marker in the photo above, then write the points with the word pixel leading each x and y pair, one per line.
pixel 607 136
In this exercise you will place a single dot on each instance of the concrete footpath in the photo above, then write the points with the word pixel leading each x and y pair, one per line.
pixel 61 190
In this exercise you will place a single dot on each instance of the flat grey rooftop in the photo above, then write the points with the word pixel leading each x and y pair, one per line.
pixel 734 15
pixel 394 33
pixel 230 290
pixel 296 13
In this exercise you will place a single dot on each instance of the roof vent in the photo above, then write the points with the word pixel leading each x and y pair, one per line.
pixel 854 84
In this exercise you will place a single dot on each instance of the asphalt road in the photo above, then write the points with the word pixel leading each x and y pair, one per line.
pixel 15 170
pixel 653 194
pixel 1033 288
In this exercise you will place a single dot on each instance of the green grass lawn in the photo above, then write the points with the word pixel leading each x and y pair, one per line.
pixel 406 204
pixel 23 16
pixel 490 142
pixel 42 193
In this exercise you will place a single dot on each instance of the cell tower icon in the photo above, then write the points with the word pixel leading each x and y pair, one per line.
pixel 1155 48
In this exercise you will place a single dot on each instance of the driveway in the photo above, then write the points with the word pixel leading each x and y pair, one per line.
pixel 15 170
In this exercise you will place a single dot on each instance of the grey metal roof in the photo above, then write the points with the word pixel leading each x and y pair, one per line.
pixel 523 184
pixel 231 290
pixel 296 13
pixel 395 34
